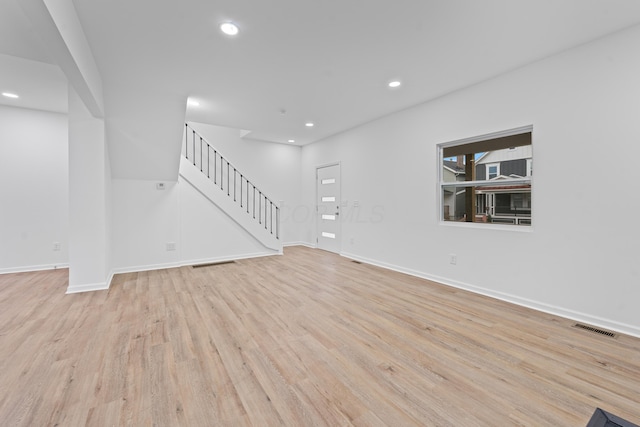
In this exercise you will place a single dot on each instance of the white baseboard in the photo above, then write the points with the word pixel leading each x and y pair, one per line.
pixel 76 289
pixel 87 288
pixel 139 268
pixel 229 258
pixel 29 268
pixel 149 267
pixel 535 305
pixel 301 243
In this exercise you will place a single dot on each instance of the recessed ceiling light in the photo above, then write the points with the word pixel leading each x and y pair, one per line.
pixel 10 95
pixel 229 28
pixel 309 124
pixel 193 103
pixel 395 83
pixel 291 141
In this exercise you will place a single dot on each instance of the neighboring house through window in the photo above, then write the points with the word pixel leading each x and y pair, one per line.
pixel 487 179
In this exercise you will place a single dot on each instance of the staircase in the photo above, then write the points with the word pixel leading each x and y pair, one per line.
pixel 215 177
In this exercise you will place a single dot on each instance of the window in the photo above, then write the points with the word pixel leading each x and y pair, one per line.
pixel 520 201
pixel 487 179
pixel 493 170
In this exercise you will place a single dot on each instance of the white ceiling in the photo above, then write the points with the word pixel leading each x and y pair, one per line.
pixel 41 86
pixel 323 61
pixel 25 66
pixel 17 37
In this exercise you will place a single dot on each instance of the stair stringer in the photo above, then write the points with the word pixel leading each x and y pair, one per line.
pixel 218 197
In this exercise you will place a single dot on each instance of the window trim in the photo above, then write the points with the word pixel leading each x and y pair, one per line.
pixel 440 183
pixel 488 168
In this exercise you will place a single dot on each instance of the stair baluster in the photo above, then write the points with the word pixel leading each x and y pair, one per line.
pixel 271 222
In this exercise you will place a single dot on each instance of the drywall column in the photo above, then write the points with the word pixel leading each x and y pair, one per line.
pixel 88 200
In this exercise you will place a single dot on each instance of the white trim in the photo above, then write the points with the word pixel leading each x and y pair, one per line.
pixel 488 167
pixel 493 135
pixel 326 165
pixel 87 288
pixel 110 278
pixel 488 226
pixel 228 258
pixel 186 263
pixel 439 205
pixel 481 157
pixel 300 243
pixel 513 299
pixel 30 268
pixel 493 183
pixel 149 267
pixel 91 286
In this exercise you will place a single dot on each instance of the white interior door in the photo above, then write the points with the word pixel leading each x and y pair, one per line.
pixel 328 208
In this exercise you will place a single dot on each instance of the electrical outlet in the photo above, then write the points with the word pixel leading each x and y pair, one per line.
pixel 56 246
pixel 453 259
pixel 171 246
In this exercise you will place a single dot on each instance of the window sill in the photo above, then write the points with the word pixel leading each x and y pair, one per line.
pixel 485 226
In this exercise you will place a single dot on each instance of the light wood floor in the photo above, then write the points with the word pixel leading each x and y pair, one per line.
pixel 305 339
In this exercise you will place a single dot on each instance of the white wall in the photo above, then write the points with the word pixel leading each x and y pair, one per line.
pixel 208 234
pixel 89 217
pixel 34 209
pixel 580 257
pixel 144 130
pixel 146 219
pixel 274 168
pixel 108 203
pixel 135 221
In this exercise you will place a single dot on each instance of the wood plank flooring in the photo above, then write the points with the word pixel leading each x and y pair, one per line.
pixel 305 339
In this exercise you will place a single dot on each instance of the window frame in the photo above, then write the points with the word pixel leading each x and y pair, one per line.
pixel 441 184
pixel 488 168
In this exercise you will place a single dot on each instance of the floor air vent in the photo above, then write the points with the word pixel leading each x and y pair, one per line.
pixel 356 262
pixel 212 264
pixel 594 330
